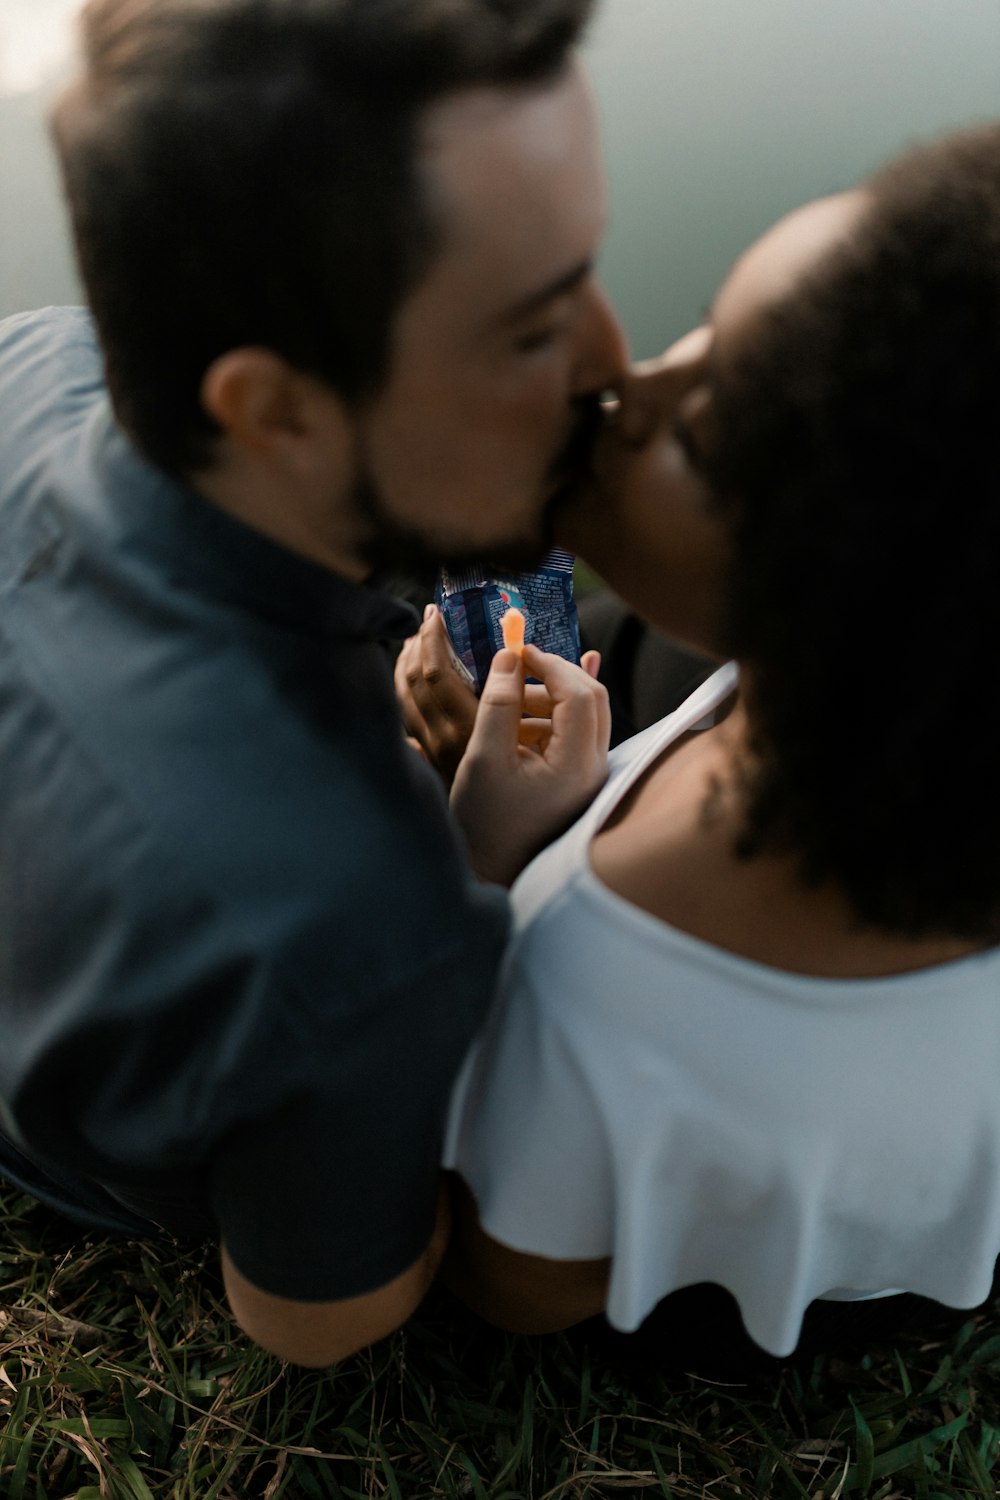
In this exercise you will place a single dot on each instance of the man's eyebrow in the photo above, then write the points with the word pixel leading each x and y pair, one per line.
pixel 560 286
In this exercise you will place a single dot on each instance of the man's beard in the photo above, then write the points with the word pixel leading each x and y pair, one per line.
pixel 391 547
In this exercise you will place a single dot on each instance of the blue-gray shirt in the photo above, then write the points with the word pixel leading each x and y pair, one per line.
pixel 241 954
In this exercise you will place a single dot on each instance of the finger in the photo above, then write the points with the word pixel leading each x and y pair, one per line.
pixel 437 708
pixel 578 701
pixel 537 702
pixel 497 724
pixel 534 734
pixel 454 698
pixel 437 705
pixel 574 744
pixel 420 706
pixel 403 674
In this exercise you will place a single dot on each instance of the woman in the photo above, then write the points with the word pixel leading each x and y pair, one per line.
pixel 749 1031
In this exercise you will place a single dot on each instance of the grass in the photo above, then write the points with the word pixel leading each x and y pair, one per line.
pixel 121 1376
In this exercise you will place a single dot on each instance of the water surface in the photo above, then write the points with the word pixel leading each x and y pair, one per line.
pixel 720 115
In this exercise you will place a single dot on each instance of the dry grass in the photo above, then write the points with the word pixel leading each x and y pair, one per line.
pixel 121 1376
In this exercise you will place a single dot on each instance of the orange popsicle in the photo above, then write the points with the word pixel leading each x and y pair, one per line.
pixel 512 625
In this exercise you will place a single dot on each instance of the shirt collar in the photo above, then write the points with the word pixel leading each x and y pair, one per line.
pixel 168 523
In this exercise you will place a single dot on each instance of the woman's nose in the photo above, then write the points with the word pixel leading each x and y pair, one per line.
pixel 655 387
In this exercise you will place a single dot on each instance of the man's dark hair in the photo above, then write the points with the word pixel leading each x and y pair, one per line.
pixel 859 461
pixel 244 172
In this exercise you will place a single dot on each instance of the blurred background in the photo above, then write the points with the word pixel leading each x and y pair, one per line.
pixel 720 115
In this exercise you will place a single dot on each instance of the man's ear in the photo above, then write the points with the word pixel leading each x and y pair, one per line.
pixel 269 408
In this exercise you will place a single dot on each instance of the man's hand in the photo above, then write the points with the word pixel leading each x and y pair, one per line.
pixel 522 781
pixel 438 706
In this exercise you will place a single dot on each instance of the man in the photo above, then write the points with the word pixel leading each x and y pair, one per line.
pixel 339 258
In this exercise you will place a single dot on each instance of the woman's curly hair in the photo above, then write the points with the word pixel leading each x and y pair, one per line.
pixel 860 466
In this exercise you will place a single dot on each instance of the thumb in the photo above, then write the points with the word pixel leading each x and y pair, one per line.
pixel 501 705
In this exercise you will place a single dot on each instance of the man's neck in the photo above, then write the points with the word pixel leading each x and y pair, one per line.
pixel 264 500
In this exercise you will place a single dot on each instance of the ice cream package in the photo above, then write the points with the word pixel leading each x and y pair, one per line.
pixel 473 603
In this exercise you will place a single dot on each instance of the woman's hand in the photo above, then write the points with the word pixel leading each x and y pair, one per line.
pixel 522 781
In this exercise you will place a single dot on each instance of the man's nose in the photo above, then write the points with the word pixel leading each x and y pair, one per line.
pixel 603 349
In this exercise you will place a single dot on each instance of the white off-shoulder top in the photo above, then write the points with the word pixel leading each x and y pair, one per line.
pixel 640 1094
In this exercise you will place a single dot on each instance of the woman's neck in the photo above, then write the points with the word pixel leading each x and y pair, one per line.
pixel 670 849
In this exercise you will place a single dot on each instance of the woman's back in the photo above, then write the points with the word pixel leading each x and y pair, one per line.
pixel 697 1115
pixel 669 847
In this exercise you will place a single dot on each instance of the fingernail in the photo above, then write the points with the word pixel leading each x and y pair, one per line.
pixel 430 611
pixel 505 662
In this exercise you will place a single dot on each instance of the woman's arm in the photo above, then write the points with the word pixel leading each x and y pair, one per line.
pixel 516 1291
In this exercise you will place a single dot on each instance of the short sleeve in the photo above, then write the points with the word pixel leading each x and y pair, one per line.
pixel 331 1192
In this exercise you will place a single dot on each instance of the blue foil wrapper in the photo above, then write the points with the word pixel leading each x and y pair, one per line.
pixel 473 605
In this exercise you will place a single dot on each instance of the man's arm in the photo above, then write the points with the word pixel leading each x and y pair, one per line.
pixel 519 1292
pixel 320 1333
